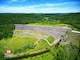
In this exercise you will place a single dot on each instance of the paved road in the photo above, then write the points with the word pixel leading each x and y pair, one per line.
pixel 54 42
pixel 75 31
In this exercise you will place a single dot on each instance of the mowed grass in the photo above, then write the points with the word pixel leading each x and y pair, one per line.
pixel 51 39
pixel 22 44
pixel 41 45
pixel 61 25
pixel 15 43
pixel 39 24
pixel 30 32
pixel 66 25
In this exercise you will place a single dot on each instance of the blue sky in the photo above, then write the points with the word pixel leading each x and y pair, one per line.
pixel 39 6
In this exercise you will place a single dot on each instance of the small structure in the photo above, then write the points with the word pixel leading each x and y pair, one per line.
pixel 8 53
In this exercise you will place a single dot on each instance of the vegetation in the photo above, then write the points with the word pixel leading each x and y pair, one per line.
pixel 21 44
pixel 39 24
pixel 6 30
pixel 41 46
pixel 46 56
pixel 17 44
pixel 62 52
pixel 51 39
pixel 66 52
pixel 7 21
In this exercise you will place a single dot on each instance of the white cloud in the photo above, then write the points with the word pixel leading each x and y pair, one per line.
pixel 48 8
pixel 28 9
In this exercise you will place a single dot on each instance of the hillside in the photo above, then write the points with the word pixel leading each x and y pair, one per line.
pixel 40 36
pixel 7 21
pixel 23 45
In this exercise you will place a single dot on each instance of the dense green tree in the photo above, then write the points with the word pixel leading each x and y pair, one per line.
pixel 7 21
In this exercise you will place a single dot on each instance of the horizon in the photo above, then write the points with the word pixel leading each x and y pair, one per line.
pixel 42 13
pixel 41 6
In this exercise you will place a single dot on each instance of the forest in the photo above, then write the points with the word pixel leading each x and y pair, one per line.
pixel 7 21
pixel 19 44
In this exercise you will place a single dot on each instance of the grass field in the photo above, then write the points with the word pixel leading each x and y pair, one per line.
pixel 68 51
pixel 51 39
pixel 45 24
pixel 21 44
pixel 51 25
pixel 39 24
pixel 15 43
pixel 31 32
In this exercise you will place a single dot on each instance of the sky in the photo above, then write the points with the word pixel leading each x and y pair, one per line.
pixel 39 6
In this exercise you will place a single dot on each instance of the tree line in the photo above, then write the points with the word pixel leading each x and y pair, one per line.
pixel 7 21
